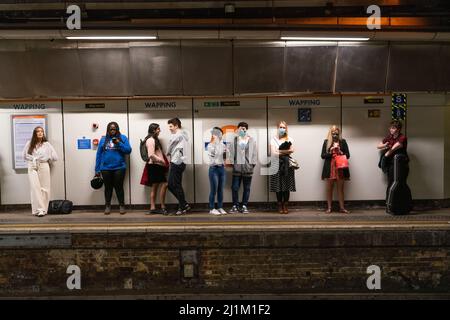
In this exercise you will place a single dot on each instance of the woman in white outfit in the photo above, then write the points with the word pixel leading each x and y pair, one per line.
pixel 39 153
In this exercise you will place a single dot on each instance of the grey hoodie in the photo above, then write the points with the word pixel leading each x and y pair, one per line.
pixel 178 148
pixel 244 161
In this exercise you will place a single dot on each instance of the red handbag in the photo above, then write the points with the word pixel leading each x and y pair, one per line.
pixel 166 163
pixel 144 178
pixel 341 161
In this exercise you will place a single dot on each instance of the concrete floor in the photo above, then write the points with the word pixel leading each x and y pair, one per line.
pixel 83 220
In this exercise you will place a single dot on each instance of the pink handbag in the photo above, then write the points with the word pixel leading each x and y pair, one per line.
pixel 341 161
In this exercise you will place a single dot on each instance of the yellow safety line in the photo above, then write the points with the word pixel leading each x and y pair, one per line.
pixel 225 223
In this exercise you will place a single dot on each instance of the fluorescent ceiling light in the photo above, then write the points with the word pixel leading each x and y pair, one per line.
pixel 112 38
pixel 323 39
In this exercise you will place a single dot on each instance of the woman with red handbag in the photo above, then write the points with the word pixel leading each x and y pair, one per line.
pixel 157 168
pixel 335 152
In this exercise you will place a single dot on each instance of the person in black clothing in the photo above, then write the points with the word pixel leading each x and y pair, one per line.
pixel 394 143
pixel 333 146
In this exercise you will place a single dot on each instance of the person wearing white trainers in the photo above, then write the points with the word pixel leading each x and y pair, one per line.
pixel 215 212
pixel 216 155
pixel 39 154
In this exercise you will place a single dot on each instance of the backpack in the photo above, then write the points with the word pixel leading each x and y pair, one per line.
pixel 143 149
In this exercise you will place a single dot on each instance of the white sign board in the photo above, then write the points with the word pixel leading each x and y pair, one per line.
pixel 22 131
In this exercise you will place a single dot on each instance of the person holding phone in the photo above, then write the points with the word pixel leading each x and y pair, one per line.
pixel 111 164
pixel 332 147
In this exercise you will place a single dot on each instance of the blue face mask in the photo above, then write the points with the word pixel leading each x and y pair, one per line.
pixel 282 131
pixel 242 133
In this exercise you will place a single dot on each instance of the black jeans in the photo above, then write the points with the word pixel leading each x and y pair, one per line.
pixel 283 196
pixel 175 183
pixel 113 179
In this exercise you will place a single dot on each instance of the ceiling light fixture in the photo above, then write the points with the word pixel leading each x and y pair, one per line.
pixel 112 38
pixel 323 39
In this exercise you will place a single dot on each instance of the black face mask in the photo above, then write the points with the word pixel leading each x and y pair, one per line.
pixel 335 136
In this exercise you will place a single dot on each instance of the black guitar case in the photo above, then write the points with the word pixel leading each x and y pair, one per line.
pixel 399 200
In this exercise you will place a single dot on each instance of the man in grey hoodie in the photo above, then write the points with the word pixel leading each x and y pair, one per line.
pixel 177 151
pixel 243 155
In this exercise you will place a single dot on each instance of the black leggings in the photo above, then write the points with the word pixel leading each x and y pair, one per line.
pixel 113 179
pixel 283 196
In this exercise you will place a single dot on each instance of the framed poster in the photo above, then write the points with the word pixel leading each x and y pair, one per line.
pixel 304 115
pixel 22 130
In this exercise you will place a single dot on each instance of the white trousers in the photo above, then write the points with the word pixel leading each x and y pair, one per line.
pixel 39 178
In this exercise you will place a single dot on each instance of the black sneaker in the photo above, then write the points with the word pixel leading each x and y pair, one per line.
pixel 154 211
pixel 186 208
pixel 164 211
pixel 180 212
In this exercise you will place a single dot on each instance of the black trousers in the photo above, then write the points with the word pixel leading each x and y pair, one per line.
pixel 283 196
pixel 175 183
pixel 113 179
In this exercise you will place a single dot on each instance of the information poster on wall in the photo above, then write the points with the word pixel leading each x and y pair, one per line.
pixel 22 130
pixel 399 106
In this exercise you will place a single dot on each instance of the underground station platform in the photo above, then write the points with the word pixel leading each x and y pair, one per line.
pixel 306 254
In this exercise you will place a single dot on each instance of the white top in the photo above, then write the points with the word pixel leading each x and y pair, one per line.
pixel 42 153
pixel 276 142
pixel 215 153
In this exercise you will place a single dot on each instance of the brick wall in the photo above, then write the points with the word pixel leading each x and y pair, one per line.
pixel 231 262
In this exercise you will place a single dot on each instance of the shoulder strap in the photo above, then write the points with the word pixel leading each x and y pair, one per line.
pixel 235 149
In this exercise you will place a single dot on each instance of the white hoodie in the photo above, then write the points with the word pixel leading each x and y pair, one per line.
pixel 178 148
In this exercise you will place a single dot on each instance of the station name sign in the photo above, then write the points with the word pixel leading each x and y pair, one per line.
pixel 213 104
pixel 160 105
pixel 30 106
pixel 304 102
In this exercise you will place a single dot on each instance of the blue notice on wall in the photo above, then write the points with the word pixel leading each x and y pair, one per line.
pixel 84 144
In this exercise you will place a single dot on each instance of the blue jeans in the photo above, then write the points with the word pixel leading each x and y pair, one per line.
pixel 216 182
pixel 236 184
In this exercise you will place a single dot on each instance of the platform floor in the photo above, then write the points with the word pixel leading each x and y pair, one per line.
pixel 137 220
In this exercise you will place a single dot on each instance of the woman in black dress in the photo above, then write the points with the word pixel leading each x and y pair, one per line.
pixel 283 181
pixel 333 146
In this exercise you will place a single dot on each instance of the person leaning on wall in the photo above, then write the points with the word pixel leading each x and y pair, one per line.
pixel 39 154
pixel 394 143
pixel 283 181
pixel 216 173
pixel 333 147
pixel 243 156
pixel 111 164
pixel 157 169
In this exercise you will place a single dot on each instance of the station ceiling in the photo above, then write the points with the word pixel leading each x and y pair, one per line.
pixel 433 15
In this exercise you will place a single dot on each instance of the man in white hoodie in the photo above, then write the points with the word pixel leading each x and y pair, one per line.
pixel 177 152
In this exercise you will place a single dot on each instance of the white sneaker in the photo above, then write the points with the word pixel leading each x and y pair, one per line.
pixel 41 214
pixel 214 212
pixel 222 211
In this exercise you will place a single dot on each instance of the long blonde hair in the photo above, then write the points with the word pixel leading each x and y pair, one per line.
pixel 330 137
pixel 285 124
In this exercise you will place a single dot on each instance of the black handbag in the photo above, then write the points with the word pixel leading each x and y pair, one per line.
pixel 60 207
